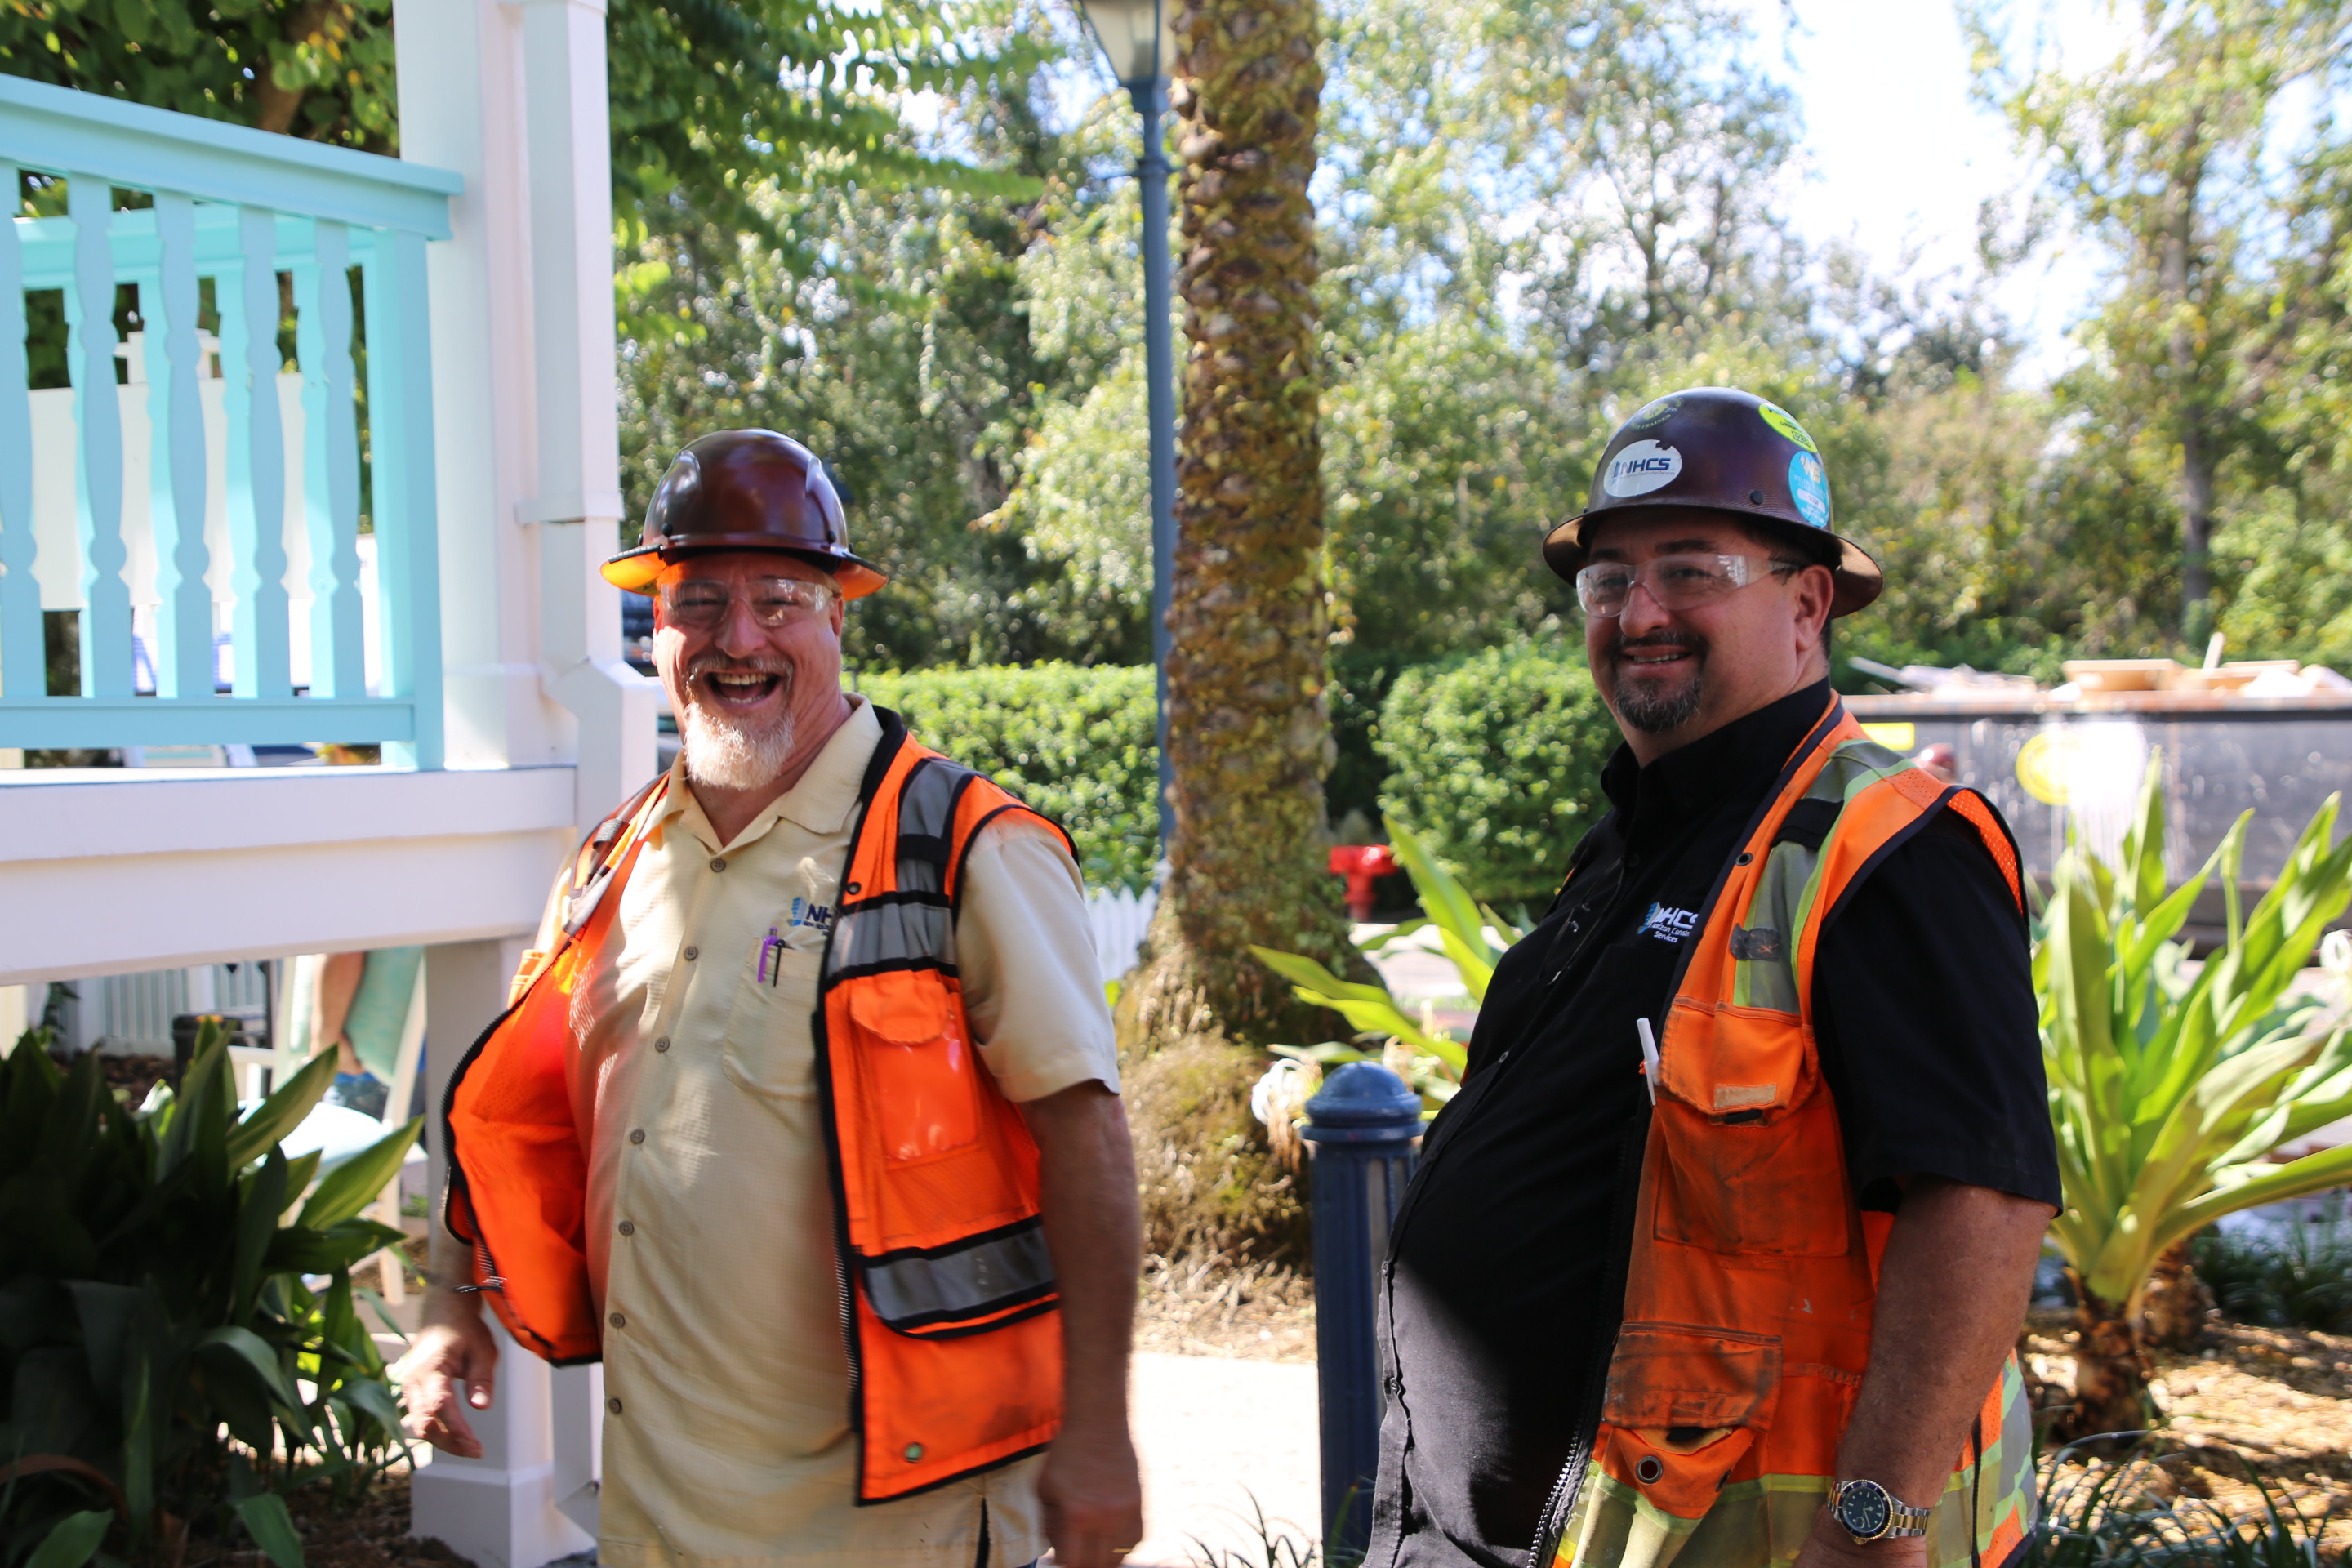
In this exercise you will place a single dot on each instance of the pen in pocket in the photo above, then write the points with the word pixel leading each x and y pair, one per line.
pixel 772 958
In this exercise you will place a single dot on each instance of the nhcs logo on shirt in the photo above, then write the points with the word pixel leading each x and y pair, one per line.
pixel 1669 924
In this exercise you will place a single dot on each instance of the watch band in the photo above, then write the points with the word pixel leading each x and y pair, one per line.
pixel 1859 1505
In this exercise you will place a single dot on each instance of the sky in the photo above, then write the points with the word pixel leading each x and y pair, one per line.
pixel 1898 159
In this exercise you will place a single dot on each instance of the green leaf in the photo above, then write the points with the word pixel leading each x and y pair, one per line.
pixel 283 1111
pixel 272 1528
pixel 72 1541
pixel 242 1350
pixel 360 1180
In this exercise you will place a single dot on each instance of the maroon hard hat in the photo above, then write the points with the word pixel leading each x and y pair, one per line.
pixel 745 490
pixel 1725 450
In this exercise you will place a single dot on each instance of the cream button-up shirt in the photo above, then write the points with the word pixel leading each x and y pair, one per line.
pixel 711 1232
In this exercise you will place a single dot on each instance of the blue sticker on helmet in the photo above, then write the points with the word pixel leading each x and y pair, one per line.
pixel 1810 488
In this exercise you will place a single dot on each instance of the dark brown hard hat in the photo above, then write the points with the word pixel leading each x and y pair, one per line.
pixel 745 490
pixel 1724 450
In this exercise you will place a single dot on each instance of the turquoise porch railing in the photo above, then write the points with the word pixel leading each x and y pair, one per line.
pixel 201 507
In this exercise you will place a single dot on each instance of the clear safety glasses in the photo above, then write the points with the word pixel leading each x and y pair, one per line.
pixel 1674 581
pixel 699 605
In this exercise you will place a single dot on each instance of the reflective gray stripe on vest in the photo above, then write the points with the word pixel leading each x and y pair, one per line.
pixel 1764 943
pixel 891 933
pixel 962 1284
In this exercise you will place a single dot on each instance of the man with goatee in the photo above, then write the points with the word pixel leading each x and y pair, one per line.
pixel 804 1117
pixel 1717 1256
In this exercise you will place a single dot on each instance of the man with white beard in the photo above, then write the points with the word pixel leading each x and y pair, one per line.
pixel 863 1292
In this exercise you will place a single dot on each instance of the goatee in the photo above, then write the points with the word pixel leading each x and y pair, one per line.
pixel 1652 709
pixel 721 751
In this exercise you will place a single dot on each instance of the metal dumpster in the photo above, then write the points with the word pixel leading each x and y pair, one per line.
pixel 2053 765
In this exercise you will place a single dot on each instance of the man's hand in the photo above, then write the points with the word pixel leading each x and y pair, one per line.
pixel 453 1348
pixel 1093 1497
pixel 1829 1546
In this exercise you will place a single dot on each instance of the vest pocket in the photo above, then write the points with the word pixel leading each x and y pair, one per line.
pixel 917 1065
pixel 1772 1185
pixel 1666 1375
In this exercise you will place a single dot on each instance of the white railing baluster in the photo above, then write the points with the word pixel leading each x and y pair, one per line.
pixel 331 463
pixel 184 615
pixel 248 300
pixel 91 343
pixel 23 658
pixel 402 502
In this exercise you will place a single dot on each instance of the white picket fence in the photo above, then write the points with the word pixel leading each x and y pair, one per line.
pixel 1119 918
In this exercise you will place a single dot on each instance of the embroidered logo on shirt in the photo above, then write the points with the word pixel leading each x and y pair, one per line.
pixel 1667 925
pixel 806 914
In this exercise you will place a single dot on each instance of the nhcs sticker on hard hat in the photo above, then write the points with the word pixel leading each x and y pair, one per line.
pixel 1642 468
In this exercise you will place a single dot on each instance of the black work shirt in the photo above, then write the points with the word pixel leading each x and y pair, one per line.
pixel 1505 1285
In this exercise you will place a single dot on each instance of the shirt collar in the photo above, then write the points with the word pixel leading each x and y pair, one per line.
pixel 820 803
pixel 1740 755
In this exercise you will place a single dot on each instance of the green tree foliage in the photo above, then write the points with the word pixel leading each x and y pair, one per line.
pixel 2170 153
pixel 715 99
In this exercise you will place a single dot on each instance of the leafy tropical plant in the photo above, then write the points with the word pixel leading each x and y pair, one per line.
pixel 2130 1515
pixel 2170 1089
pixel 1428 1059
pixel 175 1355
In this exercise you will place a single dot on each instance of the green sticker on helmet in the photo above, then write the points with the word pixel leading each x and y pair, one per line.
pixel 1655 413
pixel 1780 419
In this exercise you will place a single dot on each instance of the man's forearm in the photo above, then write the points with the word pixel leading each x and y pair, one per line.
pixel 1087 1171
pixel 1952 1289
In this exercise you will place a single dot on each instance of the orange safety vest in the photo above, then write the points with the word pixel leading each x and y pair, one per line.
pixel 1752 1270
pixel 949 1302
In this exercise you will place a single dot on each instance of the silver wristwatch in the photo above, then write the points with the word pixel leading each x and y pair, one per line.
pixel 1868 1511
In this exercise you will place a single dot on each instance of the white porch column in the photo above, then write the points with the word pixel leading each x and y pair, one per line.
pixel 506 1508
pixel 512 96
pixel 577 503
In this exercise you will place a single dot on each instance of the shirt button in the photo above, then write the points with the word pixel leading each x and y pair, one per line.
pixel 662 1043
pixel 719 864
pixel 614 1405
pixel 636 1135
pixel 629 1227
pixel 692 954
pixel 619 1319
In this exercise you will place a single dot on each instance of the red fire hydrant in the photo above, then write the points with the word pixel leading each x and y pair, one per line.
pixel 1360 863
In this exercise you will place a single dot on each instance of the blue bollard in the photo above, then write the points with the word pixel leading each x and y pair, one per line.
pixel 1363 1127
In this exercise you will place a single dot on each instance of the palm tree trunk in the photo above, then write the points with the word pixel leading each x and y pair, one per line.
pixel 1249 739
pixel 2110 1371
pixel 2173 1309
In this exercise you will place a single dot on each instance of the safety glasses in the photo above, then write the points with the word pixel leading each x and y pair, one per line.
pixel 1674 581
pixel 698 604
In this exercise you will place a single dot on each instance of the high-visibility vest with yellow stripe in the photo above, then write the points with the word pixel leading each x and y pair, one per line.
pixel 948 1295
pixel 1753 1270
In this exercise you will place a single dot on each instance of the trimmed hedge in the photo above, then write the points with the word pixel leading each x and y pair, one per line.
pixel 1496 760
pixel 1078 743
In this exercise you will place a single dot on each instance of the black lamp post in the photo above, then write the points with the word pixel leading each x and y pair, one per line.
pixel 1139 40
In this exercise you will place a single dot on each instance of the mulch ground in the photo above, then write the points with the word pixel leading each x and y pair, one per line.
pixel 2277 1402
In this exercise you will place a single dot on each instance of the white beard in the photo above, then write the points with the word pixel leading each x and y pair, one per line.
pixel 728 756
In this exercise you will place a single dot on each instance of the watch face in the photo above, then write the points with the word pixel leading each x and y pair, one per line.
pixel 1863 1508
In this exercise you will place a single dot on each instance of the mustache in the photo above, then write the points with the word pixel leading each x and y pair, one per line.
pixel 1664 637
pixel 725 664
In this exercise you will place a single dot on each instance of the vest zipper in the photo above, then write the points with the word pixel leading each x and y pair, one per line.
pixel 1630 1152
